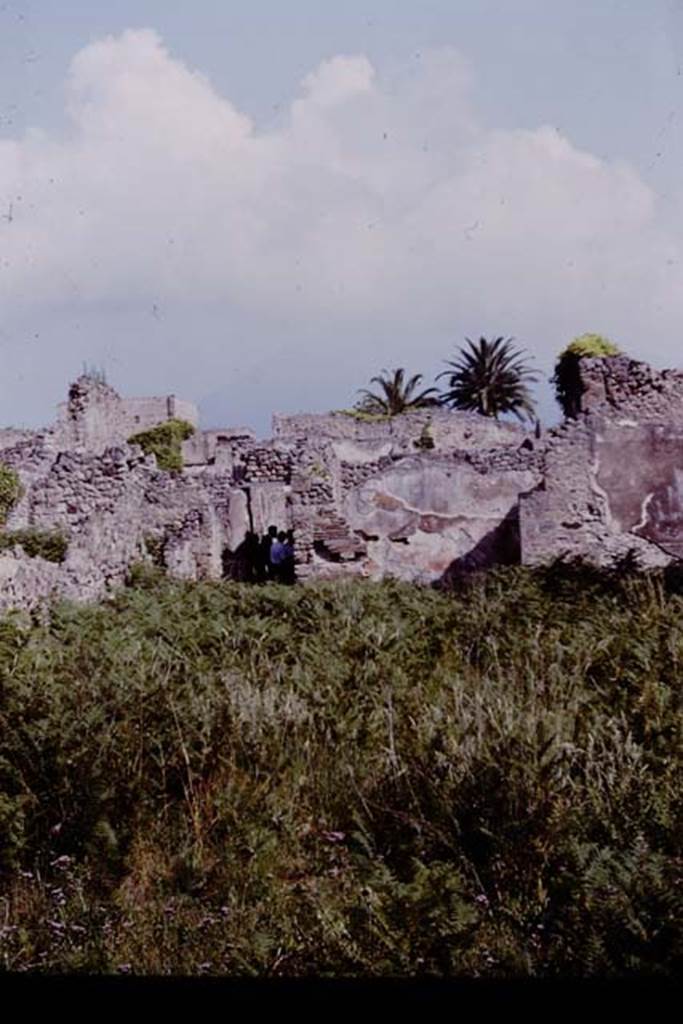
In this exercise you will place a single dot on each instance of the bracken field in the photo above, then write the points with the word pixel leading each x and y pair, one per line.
pixel 347 779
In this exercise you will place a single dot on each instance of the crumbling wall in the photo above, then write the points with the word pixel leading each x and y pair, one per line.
pixel 612 479
pixel 564 515
pixel 367 498
pixel 95 416
pixel 617 386
pixel 448 429
pixel 114 508
pixel 206 447
pixel 11 436
pixel 28 583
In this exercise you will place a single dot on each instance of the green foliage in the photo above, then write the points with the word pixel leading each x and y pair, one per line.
pixel 10 491
pixel 145 575
pixel 490 378
pixel 566 377
pixel 396 395
pixel 165 441
pixel 347 779
pixel 48 544
pixel 594 345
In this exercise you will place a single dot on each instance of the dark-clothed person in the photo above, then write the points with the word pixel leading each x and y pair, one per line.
pixel 278 554
pixel 264 560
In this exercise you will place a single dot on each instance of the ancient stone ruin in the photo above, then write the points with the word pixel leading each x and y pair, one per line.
pixel 424 496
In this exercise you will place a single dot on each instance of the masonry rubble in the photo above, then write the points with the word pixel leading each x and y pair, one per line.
pixel 363 497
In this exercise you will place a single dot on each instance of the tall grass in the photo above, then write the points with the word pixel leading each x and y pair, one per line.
pixel 347 779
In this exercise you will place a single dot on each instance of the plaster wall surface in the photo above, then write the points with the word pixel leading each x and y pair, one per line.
pixel 640 470
pixel 425 518
pixel 612 481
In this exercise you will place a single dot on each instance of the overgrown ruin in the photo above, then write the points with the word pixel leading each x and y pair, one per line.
pixel 424 496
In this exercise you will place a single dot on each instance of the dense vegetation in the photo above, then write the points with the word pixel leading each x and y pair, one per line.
pixel 165 442
pixel 51 545
pixel 10 491
pixel 347 779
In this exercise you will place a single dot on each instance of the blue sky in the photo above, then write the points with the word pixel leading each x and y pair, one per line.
pixel 258 206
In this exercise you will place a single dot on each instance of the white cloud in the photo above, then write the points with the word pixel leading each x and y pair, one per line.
pixel 337 80
pixel 377 200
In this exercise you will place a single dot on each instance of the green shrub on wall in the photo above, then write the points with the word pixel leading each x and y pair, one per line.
pixel 165 441
pixel 10 491
pixel 48 544
pixel 567 379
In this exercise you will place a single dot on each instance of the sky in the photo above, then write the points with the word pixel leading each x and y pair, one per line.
pixel 260 206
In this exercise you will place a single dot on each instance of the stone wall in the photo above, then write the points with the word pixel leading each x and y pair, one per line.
pixel 612 483
pixel 11 436
pixel 625 388
pixel 267 463
pixel 95 416
pixel 364 498
pixel 207 446
pixel 110 507
pixel 448 429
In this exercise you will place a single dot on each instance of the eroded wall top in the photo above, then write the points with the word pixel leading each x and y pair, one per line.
pixel 96 416
pixel 449 429
pixel 617 386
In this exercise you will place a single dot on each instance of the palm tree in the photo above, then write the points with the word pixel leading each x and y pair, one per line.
pixel 490 378
pixel 397 395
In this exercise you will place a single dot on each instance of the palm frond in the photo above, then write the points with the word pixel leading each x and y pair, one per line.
pixel 396 395
pixel 490 377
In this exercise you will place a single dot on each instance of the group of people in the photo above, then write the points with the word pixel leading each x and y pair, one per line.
pixel 264 559
pixel 276 561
